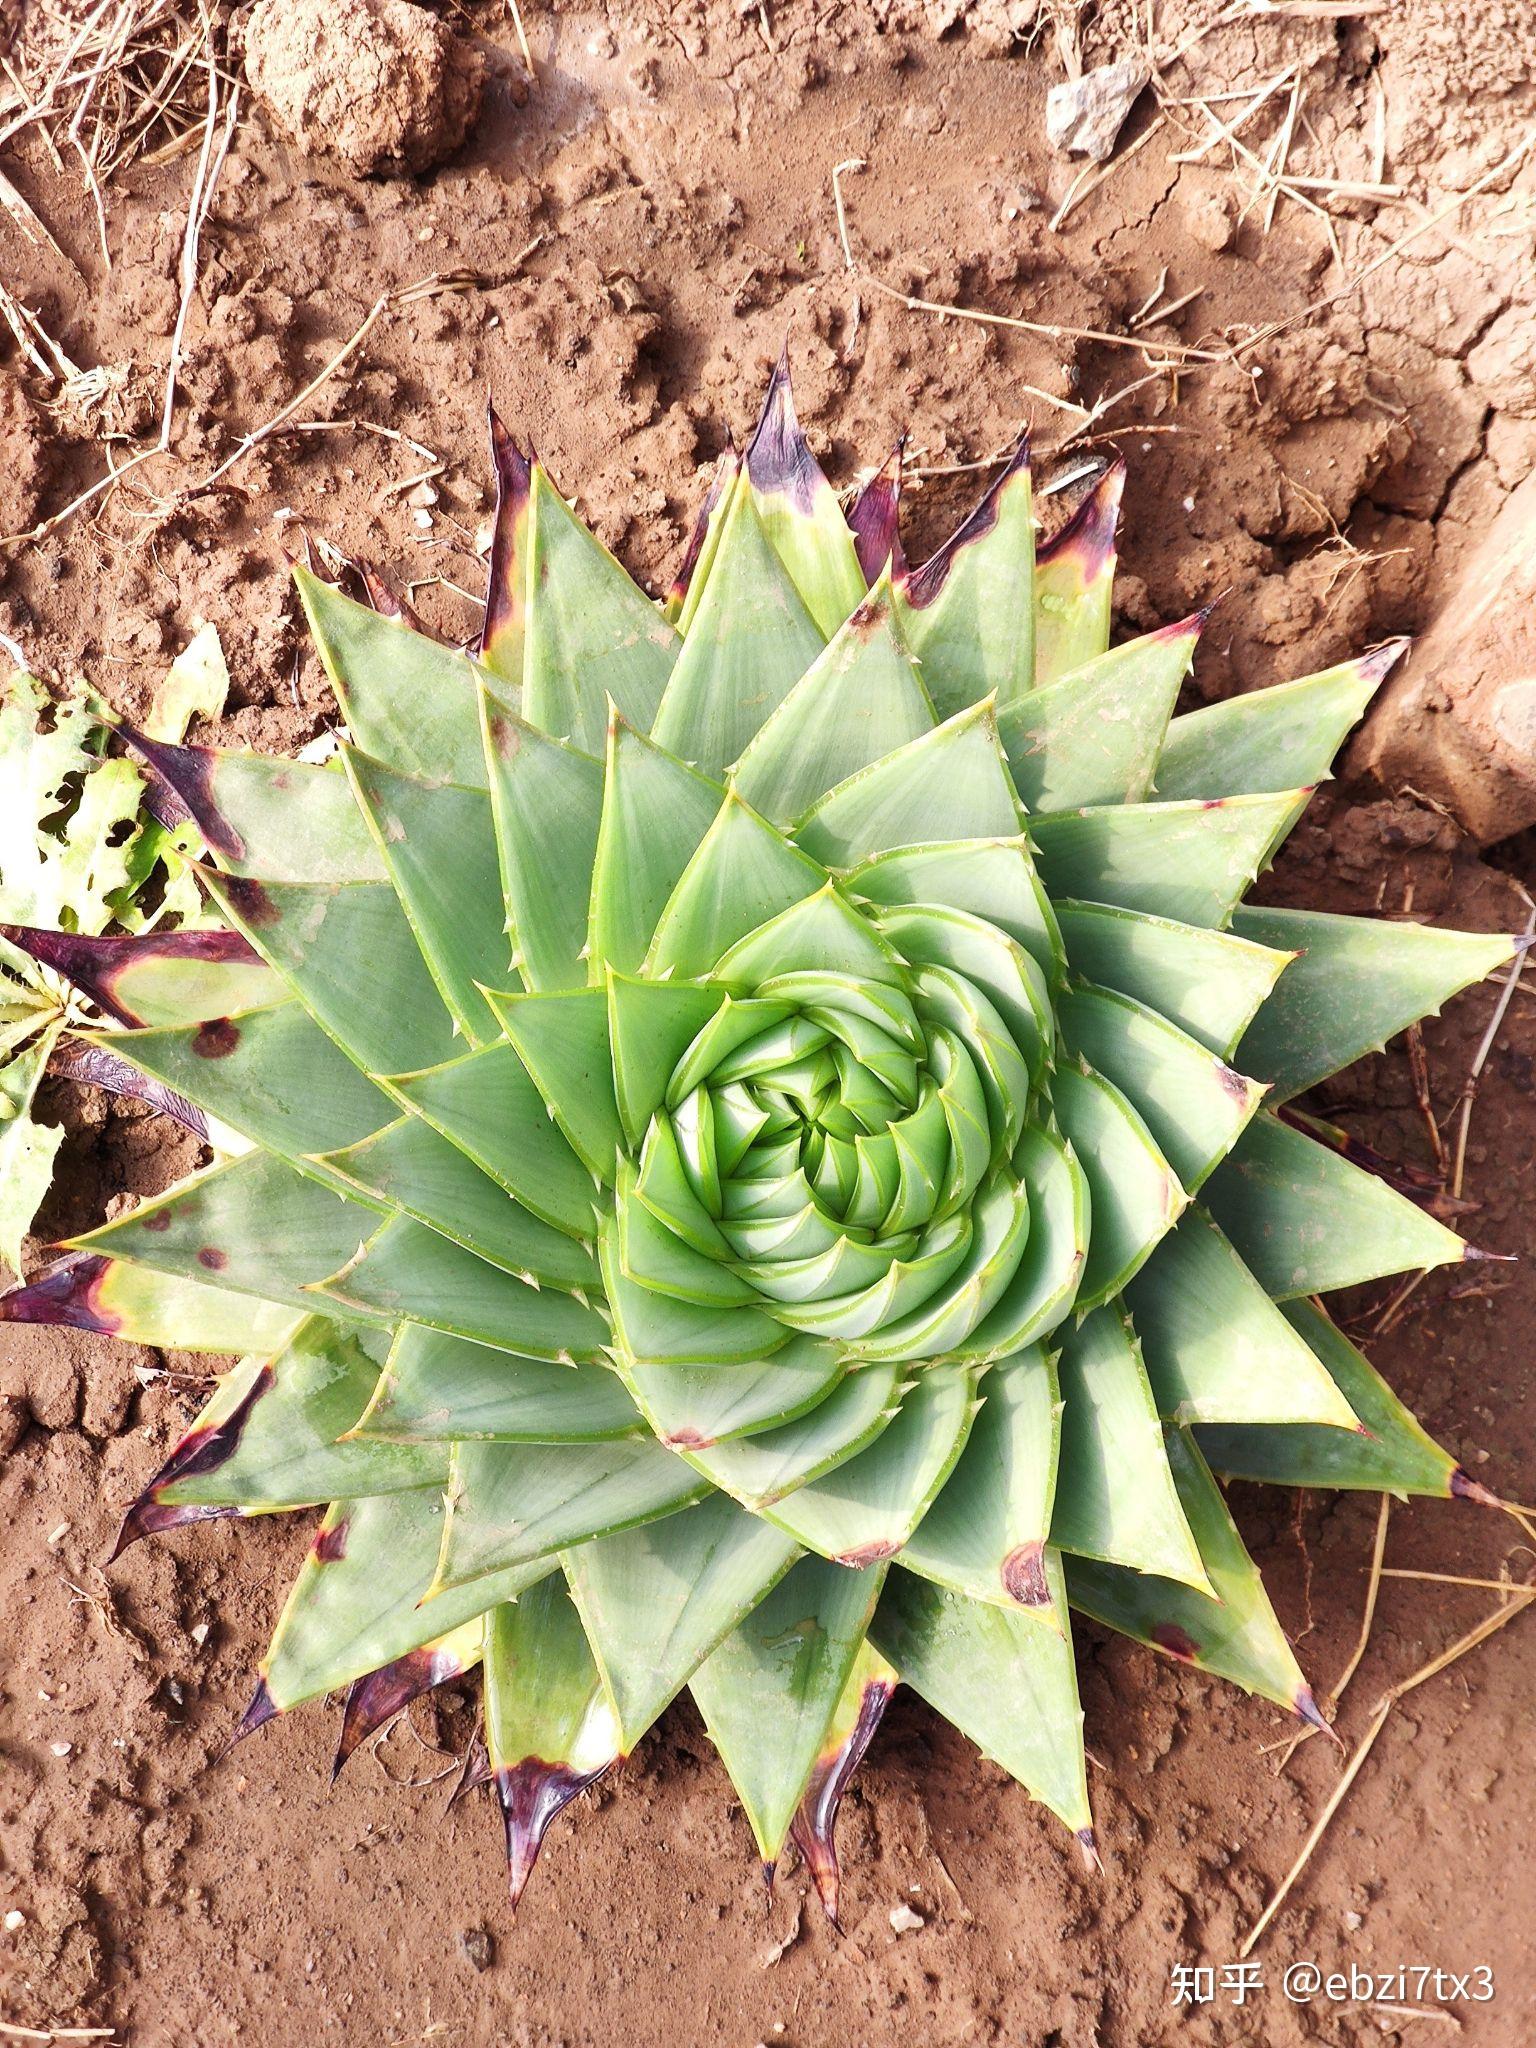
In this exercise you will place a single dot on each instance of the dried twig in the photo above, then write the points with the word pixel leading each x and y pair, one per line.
pixel 1469 1087
pixel 1516 1603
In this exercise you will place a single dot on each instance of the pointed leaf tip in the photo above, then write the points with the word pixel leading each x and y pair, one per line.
pixel 149 1517
pixel 263 1708
pixel 778 458
pixel 1306 1709
pixel 379 1695
pixel 923 585
pixel 531 1794
pixel 1464 1487
pixel 813 1829
pixel 874 520
pixel 66 1293
pixel 1376 665
pixel 1089 535
pixel 476 1771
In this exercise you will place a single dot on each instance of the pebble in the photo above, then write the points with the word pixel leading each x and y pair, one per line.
pixel 905 1921
pixel 477 1948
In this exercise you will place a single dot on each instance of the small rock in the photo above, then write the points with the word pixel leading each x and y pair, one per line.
pixel 1354 1922
pixel 14 1919
pixel 477 1948
pixel 905 1921
pixel 1084 115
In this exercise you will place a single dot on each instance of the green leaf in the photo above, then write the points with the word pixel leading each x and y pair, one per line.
pixel 437 1388
pixel 962 1299
pixel 357 1602
pixel 1216 1347
pixel 405 1271
pixel 1232 1631
pixel 287 821
pixel 651 1024
pixel 549 1728
pixel 822 933
pixel 544 1697
pixel 1194 1105
pixel 1389 1453
pixel 655 812
pixel 1272 739
pixel 590 634
pixel 489 1106
pixel 687 586
pixel 953 783
pixel 865 1510
pixel 562 1039
pixel 743 872
pixel 655 1601
pixel 1355 983
pixel 1209 983
pixel 439 844
pixel 750 640
pixel 194 686
pixel 1004 1681
pixel 985 1533
pixel 412 1169
pixel 254 1225
pixel 27 1148
pixel 1074 578
pixel 151 978
pixel 1135 1195
pixel 990 960
pixel 766 1468
pixel 510 1504
pixel 268 1437
pixel 693 1406
pixel 1045 1283
pixel 968 613
pixel 1115 1496
pixel 546 799
pixel 1093 736
pixel 991 879
pixel 1306 1220
pixel 799 509
pixel 655 1329
pixel 66 825
pixel 407 701
pixel 769 1692
pixel 89 1292
pixel 349 955
pixel 1191 862
pixel 271 1074
pixel 860 700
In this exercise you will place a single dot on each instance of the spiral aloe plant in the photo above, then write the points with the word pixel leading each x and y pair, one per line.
pixel 766 1155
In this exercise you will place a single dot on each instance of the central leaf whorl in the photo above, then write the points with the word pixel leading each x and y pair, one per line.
pixel 838 1148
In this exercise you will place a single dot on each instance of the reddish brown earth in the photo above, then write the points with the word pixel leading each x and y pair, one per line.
pixel 639 232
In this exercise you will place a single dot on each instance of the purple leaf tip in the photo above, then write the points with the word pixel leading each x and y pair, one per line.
pixel 263 1708
pixel 1306 1707
pixel 531 1794
pixel 813 1829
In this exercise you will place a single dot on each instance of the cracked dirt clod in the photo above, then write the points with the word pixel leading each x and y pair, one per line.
pixel 379 84
pixel 1460 723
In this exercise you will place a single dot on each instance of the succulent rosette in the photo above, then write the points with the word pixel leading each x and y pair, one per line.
pixel 757 1143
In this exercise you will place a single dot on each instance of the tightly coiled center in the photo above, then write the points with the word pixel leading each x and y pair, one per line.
pixel 843 1154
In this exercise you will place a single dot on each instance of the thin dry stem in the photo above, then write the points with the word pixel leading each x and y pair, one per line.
pixel 1480 1058
pixel 1516 1603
